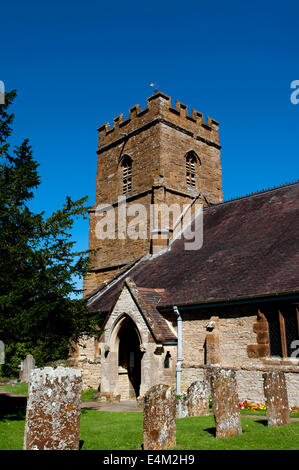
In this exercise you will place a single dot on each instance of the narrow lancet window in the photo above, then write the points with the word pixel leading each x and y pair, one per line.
pixel 127 174
pixel 190 169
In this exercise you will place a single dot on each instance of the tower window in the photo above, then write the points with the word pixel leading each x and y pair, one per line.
pixel 127 174
pixel 190 170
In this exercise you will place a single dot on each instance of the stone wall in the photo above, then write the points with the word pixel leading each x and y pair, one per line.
pixel 86 357
pixel 249 381
pixel 236 328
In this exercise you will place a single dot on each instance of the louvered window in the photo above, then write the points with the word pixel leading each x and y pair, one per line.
pixel 127 175
pixel 190 170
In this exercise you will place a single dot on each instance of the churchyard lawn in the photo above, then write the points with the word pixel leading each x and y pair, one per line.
pixel 101 430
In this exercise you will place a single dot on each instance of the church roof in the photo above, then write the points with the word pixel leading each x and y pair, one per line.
pixel 250 249
pixel 147 300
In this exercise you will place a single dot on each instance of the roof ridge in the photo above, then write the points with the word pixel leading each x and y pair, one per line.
pixel 255 193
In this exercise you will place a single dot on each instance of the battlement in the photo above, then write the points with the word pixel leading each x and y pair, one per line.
pixel 159 109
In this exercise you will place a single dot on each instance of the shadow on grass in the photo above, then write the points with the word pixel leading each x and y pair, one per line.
pixel 211 431
pixel 81 443
pixel 262 421
pixel 12 408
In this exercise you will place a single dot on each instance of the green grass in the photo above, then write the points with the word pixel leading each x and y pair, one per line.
pixel 22 389
pixel 87 395
pixel 123 431
pixel 199 434
pixel 18 388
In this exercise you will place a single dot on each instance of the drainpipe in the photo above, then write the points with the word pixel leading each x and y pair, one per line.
pixel 180 357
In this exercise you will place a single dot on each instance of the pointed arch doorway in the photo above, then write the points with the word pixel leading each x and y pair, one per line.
pixel 129 359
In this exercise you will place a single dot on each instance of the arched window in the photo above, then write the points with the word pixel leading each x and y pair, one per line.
pixel 190 169
pixel 127 174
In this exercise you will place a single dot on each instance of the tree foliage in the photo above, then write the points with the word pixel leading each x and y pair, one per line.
pixel 38 261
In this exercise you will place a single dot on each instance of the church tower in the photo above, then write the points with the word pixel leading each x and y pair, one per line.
pixel 158 155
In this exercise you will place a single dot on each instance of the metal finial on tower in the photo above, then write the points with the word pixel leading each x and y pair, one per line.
pixel 155 86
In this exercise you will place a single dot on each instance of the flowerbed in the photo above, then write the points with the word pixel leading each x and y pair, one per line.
pixel 246 405
pixel 294 409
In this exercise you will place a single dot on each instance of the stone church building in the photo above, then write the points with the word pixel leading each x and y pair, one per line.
pixel 171 312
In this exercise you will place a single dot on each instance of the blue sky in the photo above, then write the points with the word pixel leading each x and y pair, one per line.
pixel 77 65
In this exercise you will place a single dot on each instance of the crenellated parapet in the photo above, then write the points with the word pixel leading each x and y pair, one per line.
pixel 159 109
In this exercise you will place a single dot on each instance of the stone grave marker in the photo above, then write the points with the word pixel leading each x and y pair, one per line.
pixel 53 409
pixel 159 413
pixel 276 398
pixel 181 404
pixel 21 367
pixel 198 399
pixel 225 402
pixel 28 366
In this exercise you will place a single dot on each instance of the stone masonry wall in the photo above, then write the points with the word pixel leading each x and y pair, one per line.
pixel 236 332
pixel 87 358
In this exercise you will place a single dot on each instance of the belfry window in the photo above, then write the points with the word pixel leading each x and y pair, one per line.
pixel 190 170
pixel 127 174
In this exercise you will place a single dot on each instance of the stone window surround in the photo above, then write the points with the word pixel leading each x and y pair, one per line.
pixel 192 161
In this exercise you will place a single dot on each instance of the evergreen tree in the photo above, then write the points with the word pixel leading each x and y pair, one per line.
pixel 39 313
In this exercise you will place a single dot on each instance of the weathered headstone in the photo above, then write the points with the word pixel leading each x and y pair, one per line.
pixel 53 409
pixel 2 352
pixel 225 402
pixel 198 399
pixel 28 366
pixel 181 404
pixel 159 413
pixel 21 367
pixel 276 398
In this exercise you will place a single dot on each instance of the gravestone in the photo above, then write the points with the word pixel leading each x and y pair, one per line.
pixel 53 409
pixel 181 404
pixel 21 367
pixel 28 366
pixel 198 399
pixel 2 352
pixel 225 402
pixel 276 398
pixel 159 413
